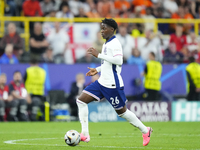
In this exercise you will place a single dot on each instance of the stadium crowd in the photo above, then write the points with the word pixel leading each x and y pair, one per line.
pixel 137 39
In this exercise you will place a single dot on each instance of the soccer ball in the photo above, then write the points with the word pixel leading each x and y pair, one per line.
pixel 72 138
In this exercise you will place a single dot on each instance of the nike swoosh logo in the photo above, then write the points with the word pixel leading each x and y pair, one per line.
pixel 149 132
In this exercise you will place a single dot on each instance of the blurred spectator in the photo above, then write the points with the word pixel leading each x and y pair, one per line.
pixel 183 13
pixel 93 11
pixel 64 12
pixel 6 100
pixel 47 6
pixel 75 91
pixel 143 4
pixel 122 6
pixel 192 42
pixel 99 42
pixel 20 95
pixel 163 27
pixel 82 13
pixel 105 7
pixel 12 38
pixel 12 9
pixel 135 58
pixel 170 7
pixel 152 74
pixel 8 57
pixel 193 76
pixel 137 14
pixel 59 40
pixel 48 55
pixel 172 56
pixel 178 14
pixel 197 15
pixel 193 46
pixel 151 43
pixel 74 6
pixel 183 3
pixel 47 24
pixel 34 80
pixel 195 7
pixel 93 78
pixel 32 8
pixel 88 59
pixel 4 90
pixel 148 15
pixel 127 42
pixel 179 38
pixel 38 43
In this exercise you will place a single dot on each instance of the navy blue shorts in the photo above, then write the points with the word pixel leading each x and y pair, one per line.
pixel 116 96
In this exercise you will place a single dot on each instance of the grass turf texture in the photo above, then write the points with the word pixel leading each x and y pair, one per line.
pixel 104 136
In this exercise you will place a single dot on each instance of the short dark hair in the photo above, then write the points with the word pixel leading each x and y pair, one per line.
pixel 111 22
pixel 191 59
pixel 153 54
pixel 17 71
pixel 179 24
pixel 34 60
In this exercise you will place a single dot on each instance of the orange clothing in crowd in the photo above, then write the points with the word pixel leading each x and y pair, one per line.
pixel 186 16
pixel 104 8
pixel 122 4
pixel 92 14
pixel 32 8
pixel 143 3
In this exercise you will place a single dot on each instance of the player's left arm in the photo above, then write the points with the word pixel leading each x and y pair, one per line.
pixel 116 59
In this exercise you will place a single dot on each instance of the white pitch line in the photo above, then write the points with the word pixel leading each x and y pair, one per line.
pixel 105 134
pixel 121 147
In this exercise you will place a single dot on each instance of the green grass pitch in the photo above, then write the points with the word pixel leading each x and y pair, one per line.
pixel 104 136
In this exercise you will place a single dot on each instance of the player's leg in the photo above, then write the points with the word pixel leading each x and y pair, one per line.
pixel 132 119
pixel 117 99
pixel 2 110
pixel 82 103
pixel 89 94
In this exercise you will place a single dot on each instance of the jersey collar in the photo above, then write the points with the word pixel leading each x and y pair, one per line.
pixel 111 39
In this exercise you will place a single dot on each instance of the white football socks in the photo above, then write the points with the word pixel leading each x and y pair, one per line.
pixel 83 116
pixel 132 119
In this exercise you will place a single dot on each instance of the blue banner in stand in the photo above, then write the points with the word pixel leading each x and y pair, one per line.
pixel 102 112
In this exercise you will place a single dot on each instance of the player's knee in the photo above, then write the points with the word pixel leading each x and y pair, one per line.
pixel 79 102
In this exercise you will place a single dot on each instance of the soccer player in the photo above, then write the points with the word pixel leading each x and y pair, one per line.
pixel 109 85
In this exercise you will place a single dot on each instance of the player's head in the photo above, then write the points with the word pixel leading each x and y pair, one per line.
pixel 152 56
pixel 108 27
pixel 17 76
pixel 191 59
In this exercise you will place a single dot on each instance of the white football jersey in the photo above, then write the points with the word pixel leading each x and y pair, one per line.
pixel 110 73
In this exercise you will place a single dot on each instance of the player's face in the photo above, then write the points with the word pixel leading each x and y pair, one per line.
pixel 106 31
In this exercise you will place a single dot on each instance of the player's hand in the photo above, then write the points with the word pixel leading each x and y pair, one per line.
pixel 91 72
pixel 93 52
